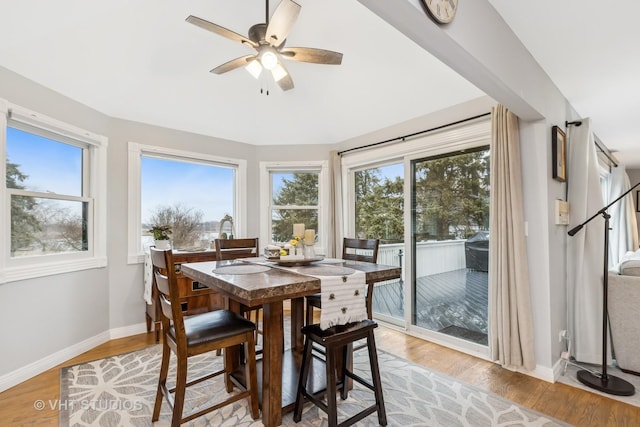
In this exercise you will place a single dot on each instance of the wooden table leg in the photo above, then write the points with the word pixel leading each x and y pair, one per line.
pixel 272 364
pixel 297 322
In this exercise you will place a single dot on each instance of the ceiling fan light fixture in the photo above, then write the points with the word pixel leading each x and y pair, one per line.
pixel 269 59
pixel 254 68
pixel 278 72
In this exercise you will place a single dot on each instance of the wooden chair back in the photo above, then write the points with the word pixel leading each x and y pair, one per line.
pixel 360 249
pixel 168 294
pixel 237 248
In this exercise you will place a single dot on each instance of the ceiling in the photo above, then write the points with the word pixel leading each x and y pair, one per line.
pixel 140 61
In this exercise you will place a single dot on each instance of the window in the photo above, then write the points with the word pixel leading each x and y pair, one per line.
pixel 54 187
pixel 190 192
pixel 294 194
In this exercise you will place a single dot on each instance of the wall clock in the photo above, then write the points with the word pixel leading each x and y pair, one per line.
pixel 442 11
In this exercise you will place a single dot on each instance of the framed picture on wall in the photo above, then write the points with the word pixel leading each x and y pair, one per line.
pixel 559 154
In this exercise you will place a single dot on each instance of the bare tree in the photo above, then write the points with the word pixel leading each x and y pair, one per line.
pixel 185 223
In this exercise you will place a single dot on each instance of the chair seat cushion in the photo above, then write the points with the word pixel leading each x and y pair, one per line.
pixel 340 333
pixel 315 300
pixel 213 326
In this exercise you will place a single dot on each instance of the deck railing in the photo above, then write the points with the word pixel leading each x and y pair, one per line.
pixel 431 257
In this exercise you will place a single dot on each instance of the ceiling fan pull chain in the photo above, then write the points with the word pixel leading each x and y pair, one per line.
pixel 266 12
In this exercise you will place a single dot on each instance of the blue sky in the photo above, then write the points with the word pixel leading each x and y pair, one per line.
pixel 392 171
pixel 207 188
pixel 57 168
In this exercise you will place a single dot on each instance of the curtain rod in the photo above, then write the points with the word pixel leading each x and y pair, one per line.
pixel 603 148
pixel 403 138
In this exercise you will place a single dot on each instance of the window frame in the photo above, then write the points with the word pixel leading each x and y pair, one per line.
pixel 266 197
pixel 94 192
pixel 136 151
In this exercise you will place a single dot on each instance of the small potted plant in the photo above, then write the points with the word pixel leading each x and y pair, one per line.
pixel 161 234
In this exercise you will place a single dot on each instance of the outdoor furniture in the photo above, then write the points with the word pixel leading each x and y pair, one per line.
pixel 476 251
pixel 194 335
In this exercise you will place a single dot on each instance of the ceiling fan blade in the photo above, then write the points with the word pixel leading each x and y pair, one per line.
pixel 310 54
pixel 233 64
pixel 214 28
pixel 281 22
pixel 282 77
pixel 285 83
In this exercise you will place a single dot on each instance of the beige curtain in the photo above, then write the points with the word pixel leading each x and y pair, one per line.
pixel 336 223
pixel 510 318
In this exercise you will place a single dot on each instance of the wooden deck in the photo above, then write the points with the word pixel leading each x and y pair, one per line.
pixel 454 303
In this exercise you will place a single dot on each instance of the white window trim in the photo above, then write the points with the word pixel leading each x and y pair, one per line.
pixel 322 167
pixel 136 151
pixel 46 265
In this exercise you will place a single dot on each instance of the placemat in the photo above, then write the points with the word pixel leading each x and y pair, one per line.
pixel 241 269
pixel 319 270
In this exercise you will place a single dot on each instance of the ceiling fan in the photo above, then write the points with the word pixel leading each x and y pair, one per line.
pixel 268 39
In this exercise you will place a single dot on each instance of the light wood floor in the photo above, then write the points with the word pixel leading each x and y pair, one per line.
pixel 569 404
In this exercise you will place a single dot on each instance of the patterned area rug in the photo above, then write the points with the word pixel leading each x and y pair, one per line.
pixel 120 391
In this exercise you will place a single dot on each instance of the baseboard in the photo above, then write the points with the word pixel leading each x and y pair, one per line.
pixel 542 373
pixel 127 331
pixel 39 366
pixel 558 369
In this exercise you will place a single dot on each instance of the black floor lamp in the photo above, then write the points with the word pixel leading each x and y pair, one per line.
pixel 605 382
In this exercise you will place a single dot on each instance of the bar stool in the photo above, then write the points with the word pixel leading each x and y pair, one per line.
pixel 198 334
pixel 339 339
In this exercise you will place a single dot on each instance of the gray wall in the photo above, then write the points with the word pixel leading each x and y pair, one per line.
pixel 46 315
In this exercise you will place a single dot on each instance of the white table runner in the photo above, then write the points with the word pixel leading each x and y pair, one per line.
pixel 342 290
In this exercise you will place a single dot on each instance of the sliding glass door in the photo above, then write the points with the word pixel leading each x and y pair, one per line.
pixel 379 208
pixel 450 244
pixel 427 200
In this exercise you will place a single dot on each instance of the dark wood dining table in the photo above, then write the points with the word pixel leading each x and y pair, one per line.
pixel 269 288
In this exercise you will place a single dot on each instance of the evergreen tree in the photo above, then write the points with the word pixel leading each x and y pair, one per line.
pixel 379 206
pixel 297 203
pixel 25 226
pixel 452 196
